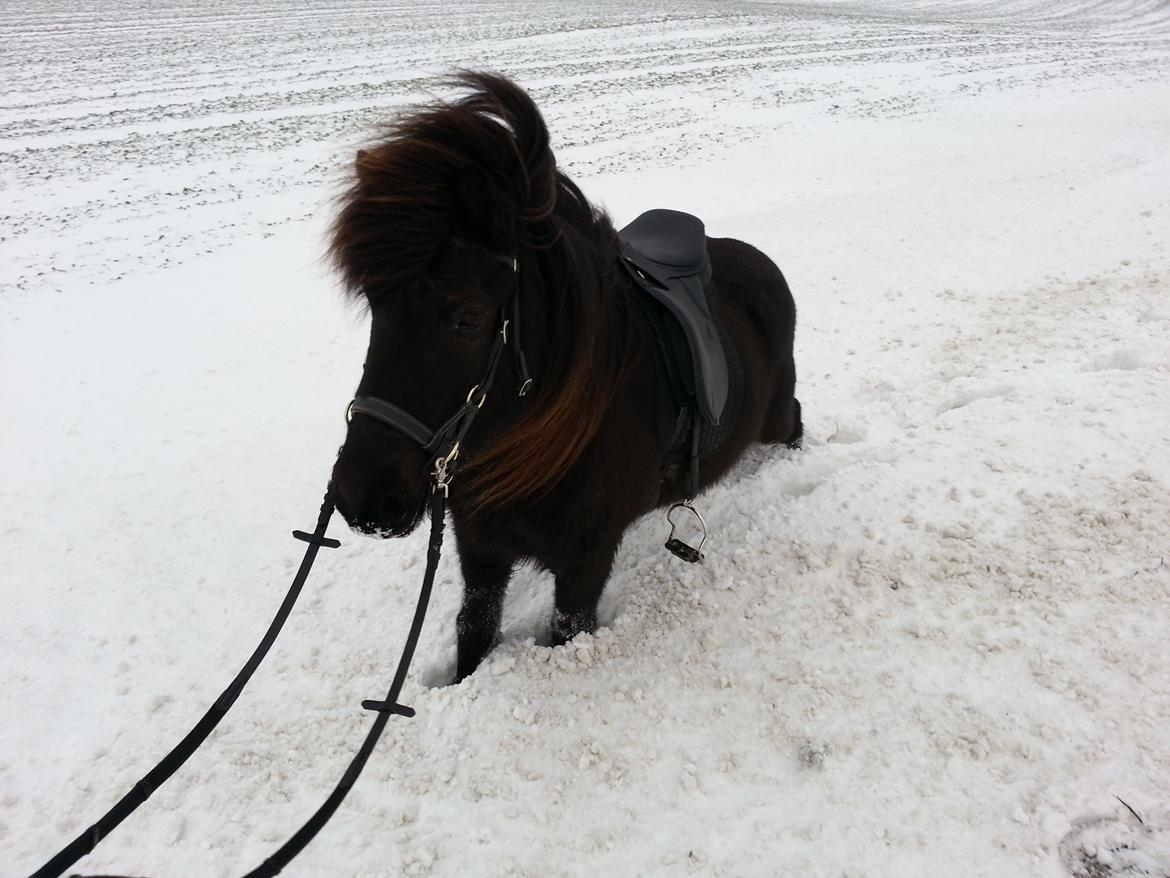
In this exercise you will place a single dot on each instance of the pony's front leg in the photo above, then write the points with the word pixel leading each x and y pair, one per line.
pixel 578 589
pixel 485 579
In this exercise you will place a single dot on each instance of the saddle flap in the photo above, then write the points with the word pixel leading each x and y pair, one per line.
pixel 665 252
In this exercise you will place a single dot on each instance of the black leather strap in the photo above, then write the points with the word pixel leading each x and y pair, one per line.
pixel 385 709
pixel 182 751
pixel 400 419
pixel 442 442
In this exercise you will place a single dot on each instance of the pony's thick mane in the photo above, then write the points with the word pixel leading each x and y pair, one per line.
pixel 409 198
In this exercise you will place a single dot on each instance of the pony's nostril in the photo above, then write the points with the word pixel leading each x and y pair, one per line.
pixel 390 509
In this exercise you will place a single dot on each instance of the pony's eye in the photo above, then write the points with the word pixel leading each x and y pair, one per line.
pixel 469 321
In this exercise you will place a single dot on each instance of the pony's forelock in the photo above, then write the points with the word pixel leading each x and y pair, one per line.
pixel 409 195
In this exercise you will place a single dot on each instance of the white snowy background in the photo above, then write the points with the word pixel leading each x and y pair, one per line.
pixel 934 642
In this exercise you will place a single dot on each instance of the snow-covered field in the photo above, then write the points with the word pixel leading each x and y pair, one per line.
pixel 932 643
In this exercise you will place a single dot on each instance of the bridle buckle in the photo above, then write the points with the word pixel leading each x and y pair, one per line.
pixel 441 466
pixel 482 398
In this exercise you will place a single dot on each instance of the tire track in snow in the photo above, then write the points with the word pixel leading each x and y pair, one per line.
pixel 121 130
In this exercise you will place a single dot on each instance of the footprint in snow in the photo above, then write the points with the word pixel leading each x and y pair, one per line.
pixel 1122 845
pixel 970 395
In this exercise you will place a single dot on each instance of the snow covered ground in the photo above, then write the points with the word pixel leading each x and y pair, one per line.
pixel 932 643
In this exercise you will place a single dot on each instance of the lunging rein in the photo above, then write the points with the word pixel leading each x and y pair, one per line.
pixel 443 445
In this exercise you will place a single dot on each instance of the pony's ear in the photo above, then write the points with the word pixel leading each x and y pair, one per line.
pixel 361 165
pixel 479 207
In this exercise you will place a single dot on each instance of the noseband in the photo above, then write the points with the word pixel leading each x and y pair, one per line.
pixel 443 444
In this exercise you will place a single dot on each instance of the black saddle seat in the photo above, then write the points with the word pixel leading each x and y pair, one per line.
pixel 665 252
pixel 671 238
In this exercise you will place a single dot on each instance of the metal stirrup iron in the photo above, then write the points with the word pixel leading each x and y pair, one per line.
pixel 690 554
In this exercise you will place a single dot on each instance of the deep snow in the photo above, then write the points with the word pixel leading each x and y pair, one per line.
pixel 933 642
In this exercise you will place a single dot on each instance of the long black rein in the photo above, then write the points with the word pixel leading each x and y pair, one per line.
pixel 385 709
pixel 443 445
pixel 182 751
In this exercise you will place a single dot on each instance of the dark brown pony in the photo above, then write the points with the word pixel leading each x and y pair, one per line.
pixel 426 235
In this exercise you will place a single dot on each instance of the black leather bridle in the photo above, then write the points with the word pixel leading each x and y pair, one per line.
pixel 443 445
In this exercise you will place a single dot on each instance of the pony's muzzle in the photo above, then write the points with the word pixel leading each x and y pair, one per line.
pixel 380 482
pixel 381 513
